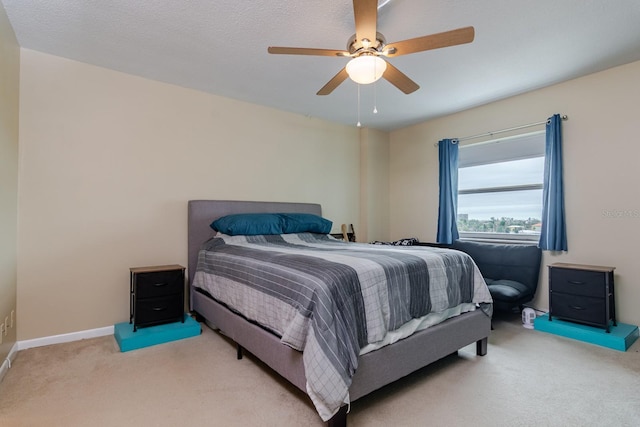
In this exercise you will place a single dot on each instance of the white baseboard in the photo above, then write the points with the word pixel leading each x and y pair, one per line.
pixel 6 364
pixel 59 339
pixel 54 339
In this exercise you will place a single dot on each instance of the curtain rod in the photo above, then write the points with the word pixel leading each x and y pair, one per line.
pixel 480 135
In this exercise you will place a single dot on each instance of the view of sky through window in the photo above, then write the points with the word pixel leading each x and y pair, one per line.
pixel 522 204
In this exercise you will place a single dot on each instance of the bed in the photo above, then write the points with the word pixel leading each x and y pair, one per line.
pixel 375 368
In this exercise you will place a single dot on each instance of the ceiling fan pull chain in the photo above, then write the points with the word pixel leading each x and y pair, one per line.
pixel 375 98
pixel 358 124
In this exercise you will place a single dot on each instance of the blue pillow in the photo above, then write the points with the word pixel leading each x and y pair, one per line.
pixel 253 224
pixel 249 224
pixel 306 223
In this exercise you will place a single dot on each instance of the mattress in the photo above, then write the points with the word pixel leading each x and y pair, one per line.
pixel 332 300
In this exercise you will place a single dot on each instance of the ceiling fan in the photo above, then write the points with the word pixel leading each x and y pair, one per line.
pixel 367 46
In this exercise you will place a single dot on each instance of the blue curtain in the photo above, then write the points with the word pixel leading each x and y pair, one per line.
pixel 553 236
pixel 448 156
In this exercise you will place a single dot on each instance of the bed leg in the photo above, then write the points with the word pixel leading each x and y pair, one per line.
pixel 339 419
pixel 481 346
pixel 198 317
pixel 238 351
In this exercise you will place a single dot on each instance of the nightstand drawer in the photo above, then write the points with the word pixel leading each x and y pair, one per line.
pixel 158 283
pixel 159 310
pixel 579 308
pixel 578 282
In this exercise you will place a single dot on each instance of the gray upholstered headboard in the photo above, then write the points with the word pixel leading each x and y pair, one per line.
pixel 204 212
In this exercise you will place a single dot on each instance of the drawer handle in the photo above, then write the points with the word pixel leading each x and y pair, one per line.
pixel 159 308
pixel 159 285
pixel 576 307
pixel 575 282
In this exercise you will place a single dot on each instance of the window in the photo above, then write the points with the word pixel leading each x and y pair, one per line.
pixel 500 188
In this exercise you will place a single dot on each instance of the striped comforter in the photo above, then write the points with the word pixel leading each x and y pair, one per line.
pixel 329 298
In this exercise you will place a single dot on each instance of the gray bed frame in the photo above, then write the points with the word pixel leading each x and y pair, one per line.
pixel 375 369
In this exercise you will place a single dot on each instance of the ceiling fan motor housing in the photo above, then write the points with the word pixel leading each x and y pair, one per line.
pixel 356 47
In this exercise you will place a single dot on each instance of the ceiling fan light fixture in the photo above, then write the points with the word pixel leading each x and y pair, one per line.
pixel 366 69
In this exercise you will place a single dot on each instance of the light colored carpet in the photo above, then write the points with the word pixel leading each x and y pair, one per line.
pixel 528 378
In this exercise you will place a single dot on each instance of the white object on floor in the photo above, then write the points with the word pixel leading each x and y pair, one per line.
pixel 528 316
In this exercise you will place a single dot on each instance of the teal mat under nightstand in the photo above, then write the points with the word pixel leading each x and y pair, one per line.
pixel 152 335
pixel 620 337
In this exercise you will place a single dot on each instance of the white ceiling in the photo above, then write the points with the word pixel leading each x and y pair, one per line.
pixel 220 47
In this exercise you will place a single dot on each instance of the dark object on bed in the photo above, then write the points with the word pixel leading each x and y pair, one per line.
pixel 510 270
pixel 409 241
pixel 375 369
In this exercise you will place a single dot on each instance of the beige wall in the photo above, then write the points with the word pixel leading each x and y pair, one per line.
pixel 374 186
pixel 108 162
pixel 9 86
pixel 601 172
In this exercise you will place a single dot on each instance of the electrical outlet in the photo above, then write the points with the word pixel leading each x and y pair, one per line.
pixel 6 325
pixel 13 317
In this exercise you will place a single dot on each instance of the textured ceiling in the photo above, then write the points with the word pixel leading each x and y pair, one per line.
pixel 220 47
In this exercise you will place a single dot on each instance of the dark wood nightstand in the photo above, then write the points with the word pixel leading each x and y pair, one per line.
pixel 157 295
pixel 582 293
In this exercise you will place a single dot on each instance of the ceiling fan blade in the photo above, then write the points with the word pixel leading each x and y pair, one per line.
pixel 334 82
pixel 366 17
pixel 399 79
pixel 306 51
pixel 433 41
